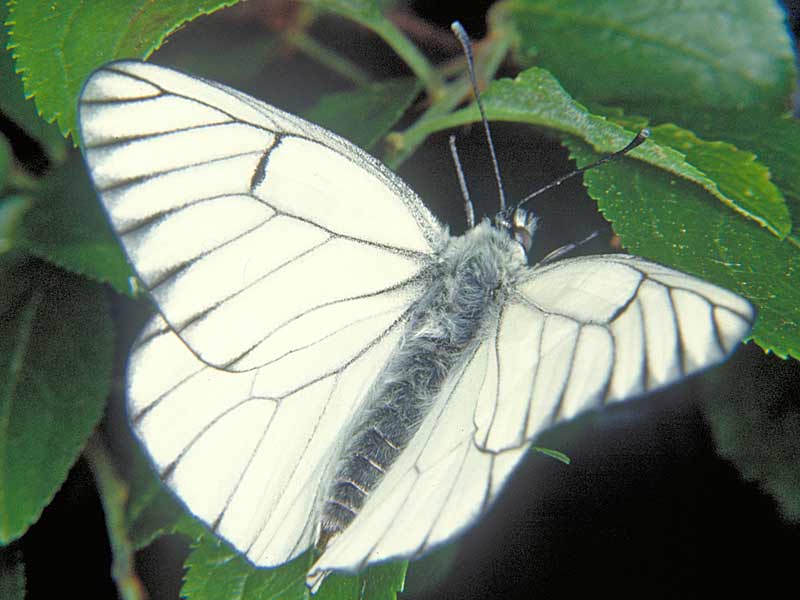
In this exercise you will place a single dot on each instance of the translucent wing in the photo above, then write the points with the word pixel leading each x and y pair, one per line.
pixel 248 464
pixel 440 485
pixel 225 206
pixel 575 335
pixel 282 260
pixel 585 332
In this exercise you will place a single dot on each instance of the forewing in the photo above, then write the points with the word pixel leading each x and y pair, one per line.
pixel 264 239
pixel 581 333
pixel 248 464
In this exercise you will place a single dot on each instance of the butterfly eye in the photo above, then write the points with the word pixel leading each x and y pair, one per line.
pixel 522 226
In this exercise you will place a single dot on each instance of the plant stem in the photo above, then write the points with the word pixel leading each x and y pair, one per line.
pixel 114 495
pixel 328 58
pixel 404 144
pixel 410 54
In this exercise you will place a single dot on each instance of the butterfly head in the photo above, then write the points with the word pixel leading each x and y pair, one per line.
pixel 520 225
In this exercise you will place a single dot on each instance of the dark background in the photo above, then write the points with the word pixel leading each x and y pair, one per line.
pixel 647 507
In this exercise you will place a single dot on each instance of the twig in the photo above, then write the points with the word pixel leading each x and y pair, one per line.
pixel 114 496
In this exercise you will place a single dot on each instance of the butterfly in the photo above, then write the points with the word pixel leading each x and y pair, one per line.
pixel 328 367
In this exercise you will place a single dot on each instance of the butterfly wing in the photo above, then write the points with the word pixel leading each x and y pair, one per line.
pixel 574 335
pixel 247 463
pixel 282 261
pixel 262 238
pixel 582 333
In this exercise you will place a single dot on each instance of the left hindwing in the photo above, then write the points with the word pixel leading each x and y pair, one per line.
pixel 581 333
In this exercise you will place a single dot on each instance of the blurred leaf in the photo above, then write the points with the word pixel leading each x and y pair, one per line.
pixel 152 510
pixel 5 161
pixel 12 264
pixel 12 212
pixel 756 425
pixel 720 54
pixel 378 582
pixel 67 227
pixel 56 59
pixel 362 11
pixel 208 52
pixel 366 114
pixel 23 112
pixel 425 573
pixel 369 14
pixel 12 575
pixel 535 97
pixel 672 221
pixel 55 373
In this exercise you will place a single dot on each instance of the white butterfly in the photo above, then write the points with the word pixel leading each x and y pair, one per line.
pixel 329 366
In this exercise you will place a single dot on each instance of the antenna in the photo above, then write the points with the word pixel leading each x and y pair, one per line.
pixel 637 141
pixel 470 212
pixel 463 38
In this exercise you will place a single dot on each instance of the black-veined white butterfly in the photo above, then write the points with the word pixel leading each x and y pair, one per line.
pixel 328 366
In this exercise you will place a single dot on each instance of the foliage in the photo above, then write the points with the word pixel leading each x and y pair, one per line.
pixel 714 192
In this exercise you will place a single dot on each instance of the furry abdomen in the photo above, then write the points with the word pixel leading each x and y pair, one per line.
pixel 463 294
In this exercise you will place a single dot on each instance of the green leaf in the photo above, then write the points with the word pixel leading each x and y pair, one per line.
pixel 217 570
pixel 774 139
pixel 55 373
pixel 378 582
pixel 56 45
pixel 559 456
pixel 12 212
pixel 67 227
pixel 382 581
pixel 535 97
pixel 22 111
pixel 671 221
pixel 714 52
pixel 12 575
pixel 366 114
pixel 737 173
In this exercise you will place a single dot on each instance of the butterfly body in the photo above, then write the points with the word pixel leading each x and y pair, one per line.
pixel 465 290
pixel 327 365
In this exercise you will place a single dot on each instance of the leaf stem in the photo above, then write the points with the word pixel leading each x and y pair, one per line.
pixel 114 496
